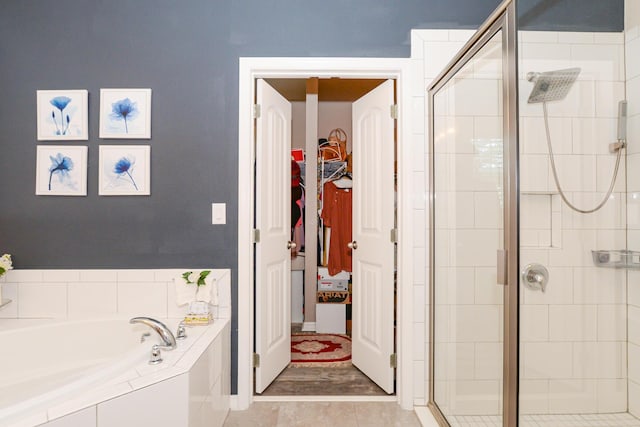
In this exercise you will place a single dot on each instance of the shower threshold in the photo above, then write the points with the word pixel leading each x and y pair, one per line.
pixel 547 420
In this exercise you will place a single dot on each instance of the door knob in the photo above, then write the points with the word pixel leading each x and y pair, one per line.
pixel 352 245
pixel 535 277
pixel 291 245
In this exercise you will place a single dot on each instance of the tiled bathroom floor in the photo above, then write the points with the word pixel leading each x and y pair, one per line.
pixel 586 420
pixel 316 414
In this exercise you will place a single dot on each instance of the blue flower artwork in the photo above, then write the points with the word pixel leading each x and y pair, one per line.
pixel 124 110
pixel 62 115
pixel 61 165
pixel 125 113
pixel 61 102
pixel 124 170
pixel 61 170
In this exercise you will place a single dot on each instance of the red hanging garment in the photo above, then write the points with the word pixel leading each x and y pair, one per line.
pixel 337 215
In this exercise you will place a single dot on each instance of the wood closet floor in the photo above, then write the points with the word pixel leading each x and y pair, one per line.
pixel 314 381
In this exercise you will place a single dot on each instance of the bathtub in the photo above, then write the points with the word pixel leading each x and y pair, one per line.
pixel 51 369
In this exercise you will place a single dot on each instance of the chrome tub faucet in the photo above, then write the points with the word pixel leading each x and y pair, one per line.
pixel 168 339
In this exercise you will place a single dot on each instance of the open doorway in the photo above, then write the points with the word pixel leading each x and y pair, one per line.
pixel 252 69
pixel 354 128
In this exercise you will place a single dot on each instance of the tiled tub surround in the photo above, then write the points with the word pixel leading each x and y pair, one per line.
pixel 69 355
pixel 72 294
pixel 191 387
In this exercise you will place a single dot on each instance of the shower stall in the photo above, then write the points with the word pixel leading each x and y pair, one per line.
pixel 535 220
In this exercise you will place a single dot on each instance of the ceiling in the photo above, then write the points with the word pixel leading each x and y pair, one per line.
pixel 331 89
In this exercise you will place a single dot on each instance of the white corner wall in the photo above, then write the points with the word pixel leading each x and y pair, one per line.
pixel 431 50
pixel 632 50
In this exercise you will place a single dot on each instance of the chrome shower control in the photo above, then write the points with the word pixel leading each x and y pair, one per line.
pixel 535 277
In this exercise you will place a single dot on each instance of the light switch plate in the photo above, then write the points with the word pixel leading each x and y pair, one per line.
pixel 218 213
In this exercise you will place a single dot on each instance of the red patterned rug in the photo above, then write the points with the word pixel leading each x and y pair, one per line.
pixel 320 350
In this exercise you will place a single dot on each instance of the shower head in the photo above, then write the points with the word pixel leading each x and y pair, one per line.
pixel 551 85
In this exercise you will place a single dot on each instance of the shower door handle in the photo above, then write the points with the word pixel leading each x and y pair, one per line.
pixel 501 266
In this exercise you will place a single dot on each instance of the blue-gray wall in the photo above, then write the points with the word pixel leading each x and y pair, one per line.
pixel 187 52
pixel 571 15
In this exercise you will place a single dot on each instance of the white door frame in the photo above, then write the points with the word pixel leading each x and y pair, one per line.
pixel 373 68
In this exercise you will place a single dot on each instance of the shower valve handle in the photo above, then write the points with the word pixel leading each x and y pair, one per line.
pixel 535 277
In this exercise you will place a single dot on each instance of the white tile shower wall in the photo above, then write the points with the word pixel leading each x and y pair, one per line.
pixel 591 109
pixel 573 335
pixel 632 57
pixel 93 293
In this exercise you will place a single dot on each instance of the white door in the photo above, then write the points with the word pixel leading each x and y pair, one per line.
pixel 273 222
pixel 373 222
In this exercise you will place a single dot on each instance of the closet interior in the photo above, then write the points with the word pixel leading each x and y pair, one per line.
pixel 321 199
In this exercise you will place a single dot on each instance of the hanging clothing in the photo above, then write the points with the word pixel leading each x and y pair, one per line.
pixel 297 208
pixel 296 194
pixel 298 228
pixel 295 174
pixel 337 215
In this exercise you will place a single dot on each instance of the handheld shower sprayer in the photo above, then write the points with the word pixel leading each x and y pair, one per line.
pixel 622 128
pixel 622 120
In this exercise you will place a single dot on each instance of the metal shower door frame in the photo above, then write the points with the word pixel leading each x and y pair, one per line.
pixel 503 18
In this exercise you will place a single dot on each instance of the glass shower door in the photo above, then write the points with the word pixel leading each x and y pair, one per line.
pixel 467 206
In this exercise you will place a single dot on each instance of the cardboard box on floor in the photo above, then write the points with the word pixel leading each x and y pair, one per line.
pixel 331 318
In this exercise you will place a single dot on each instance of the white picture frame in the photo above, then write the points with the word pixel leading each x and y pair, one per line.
pixel 61 170
pixel 125 113
pixel 62 115
pixel 124 170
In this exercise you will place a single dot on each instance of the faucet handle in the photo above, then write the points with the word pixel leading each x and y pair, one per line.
pixel 181 333
pixel 156 355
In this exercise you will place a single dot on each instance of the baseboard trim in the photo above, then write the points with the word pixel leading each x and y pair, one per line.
pixel 308 326
pixel 233 403
pixel 258 398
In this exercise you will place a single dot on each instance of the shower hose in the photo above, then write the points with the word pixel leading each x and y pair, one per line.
pixel 555 173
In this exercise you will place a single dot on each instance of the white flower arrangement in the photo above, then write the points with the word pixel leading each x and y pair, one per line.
pixel 196 277
pixel 5 264
pixel 199 312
